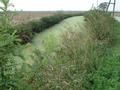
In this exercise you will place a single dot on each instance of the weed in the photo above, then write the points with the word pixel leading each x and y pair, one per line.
pixel 101 25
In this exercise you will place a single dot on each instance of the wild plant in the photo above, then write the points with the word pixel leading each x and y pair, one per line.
pixel 8 43
pixel 67 64
pixel 100 23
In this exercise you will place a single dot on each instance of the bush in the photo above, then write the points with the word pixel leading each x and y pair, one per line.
pixel 107 77
pixel 75 60
pixel 8 43
pixel 101 25
pixel 27 31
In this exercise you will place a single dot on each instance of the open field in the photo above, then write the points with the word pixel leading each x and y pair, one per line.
pixel 28 16
pixel 25 16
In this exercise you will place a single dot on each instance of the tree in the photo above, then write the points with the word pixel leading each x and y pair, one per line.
pixel 103 6
pixel 8 42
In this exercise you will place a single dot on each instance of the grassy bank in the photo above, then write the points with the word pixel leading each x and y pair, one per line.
pixel 55 32
pixel 74 63
pixel 62 66
pixel 26 31
pixel 80 53
pixel 107 77
pixel 75 54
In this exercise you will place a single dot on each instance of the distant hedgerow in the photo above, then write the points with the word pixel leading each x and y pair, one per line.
pixel 28 30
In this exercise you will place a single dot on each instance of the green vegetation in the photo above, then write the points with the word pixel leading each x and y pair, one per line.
pixel 101 24
pixel 64 66
pixel 108 74
pixel 55 31
pixel 27 31
pixel 8 42
pixel 73 63
pixel 73 55
pixel 106 77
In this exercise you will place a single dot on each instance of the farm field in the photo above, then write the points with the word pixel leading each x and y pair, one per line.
pixel 25 16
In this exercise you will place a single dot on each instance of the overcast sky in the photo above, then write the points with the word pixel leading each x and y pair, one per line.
pixel 51 5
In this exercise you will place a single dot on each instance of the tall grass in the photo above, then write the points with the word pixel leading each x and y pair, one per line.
pixel 63 66
pixel 73 63
pixel 76 58
pixel 101 25
pixel 107 77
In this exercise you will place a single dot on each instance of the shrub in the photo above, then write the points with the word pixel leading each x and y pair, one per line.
pixel 31 77
pixel 108 75
pixel 8 42
pixel 101 25
pixel 25 32
pixel 76 58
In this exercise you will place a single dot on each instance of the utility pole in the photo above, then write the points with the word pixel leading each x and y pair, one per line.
pixel 108 5
pixel 114 4
pixel 111 3
pixel 113 11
